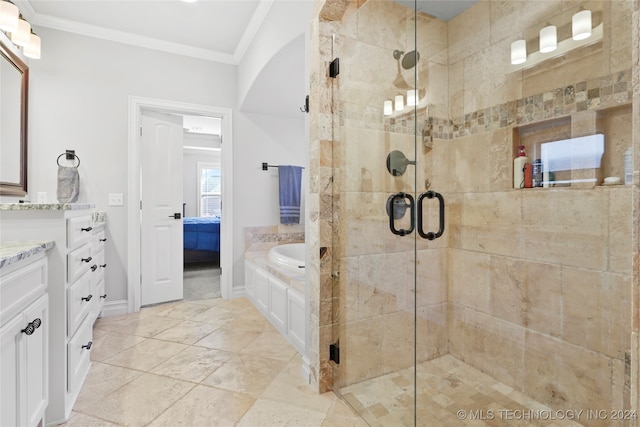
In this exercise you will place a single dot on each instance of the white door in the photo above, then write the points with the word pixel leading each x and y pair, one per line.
pixel 161 245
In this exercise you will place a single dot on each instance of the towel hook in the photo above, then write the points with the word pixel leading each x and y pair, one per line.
pixel 305 107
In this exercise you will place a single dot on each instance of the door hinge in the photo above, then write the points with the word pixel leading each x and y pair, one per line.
pixel 334 353
pixel 334 68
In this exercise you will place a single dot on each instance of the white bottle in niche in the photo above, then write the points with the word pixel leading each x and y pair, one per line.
pixel 518 167
pixel 628 166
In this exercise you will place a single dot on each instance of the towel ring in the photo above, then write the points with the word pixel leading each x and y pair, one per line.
pixel 64 154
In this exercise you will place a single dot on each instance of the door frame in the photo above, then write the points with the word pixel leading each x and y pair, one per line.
pixel 136 105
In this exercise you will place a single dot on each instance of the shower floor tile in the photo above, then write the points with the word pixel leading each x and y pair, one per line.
pixel 451 393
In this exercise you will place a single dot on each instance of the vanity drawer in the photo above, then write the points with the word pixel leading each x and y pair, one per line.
pixel 78 231
pixel 78 356
pixel 80 300
pixel 100 237
pixel 78 262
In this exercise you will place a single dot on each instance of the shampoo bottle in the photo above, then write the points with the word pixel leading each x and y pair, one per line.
pixel 518 167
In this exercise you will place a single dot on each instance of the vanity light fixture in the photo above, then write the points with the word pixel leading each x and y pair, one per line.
pixel 518 52
pixel 32 50
pixel 388 108
pixel 19 30
pixel 548 39
pixel 399 103
pixel 21 36
pixel 9 14
pixel 581 25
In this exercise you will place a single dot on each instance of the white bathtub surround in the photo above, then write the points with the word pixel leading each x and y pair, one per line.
pixel 277 290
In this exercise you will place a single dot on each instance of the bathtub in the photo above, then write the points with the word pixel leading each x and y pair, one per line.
pixel 290 256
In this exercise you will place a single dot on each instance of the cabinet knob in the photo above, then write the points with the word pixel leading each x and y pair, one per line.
pixel 103 296
pixel 31 327
pixel 88 345
pixel 103 265
pixel 94 267
pixel 87 298
pixel 86 259
pixel 103 240
pixel 87 229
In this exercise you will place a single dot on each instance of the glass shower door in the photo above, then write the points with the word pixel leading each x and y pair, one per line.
pixel 376 172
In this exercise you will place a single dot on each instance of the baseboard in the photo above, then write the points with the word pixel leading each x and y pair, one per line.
pixel 237 293
pixel 115 308
pixel 306 369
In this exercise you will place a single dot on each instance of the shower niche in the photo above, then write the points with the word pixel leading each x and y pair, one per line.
pixel 586 149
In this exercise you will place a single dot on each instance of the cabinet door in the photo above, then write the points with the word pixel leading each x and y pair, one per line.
pixel 250 280
pixel 262 291
pixel 37 359
pixel 11 367
pixel 278 304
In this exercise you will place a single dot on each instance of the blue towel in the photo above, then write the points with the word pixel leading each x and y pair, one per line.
pixel 290 186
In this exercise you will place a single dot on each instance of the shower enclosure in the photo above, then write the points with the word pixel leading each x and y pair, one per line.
pixel 459 297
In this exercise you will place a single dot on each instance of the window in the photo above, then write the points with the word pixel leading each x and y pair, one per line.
pixel 209 189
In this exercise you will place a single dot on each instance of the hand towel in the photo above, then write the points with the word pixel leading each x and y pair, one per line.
pixel 290 178
pixel 68 184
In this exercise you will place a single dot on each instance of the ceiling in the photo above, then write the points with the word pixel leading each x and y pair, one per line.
pixel 216 30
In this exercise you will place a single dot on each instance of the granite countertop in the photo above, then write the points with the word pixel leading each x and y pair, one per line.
pixel 44 206
pixel 11 252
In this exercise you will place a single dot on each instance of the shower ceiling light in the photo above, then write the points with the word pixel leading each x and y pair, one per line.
pixel 412 97
pixel 9 14
pixel 518 52
pixel 581 25
pixel 399 103
pixel 388 108
pixel 548 39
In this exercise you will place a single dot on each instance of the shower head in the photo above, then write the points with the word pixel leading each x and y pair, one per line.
pixel 410 59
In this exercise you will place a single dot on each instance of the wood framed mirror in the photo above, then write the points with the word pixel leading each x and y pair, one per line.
pixel 14 90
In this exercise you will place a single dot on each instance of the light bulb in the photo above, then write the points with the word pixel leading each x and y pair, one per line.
pixel 548 39
pixel 32 50
pixel 399 103
pixel 22 35
pixel 9 14
pixel 388 108
pixel 581 25
pixel 518 52
pixel 412 97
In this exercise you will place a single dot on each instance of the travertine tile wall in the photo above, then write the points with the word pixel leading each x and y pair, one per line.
pixel 531 286
pixel 539 280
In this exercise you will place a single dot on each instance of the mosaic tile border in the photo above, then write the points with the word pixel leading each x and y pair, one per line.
pixel 608 91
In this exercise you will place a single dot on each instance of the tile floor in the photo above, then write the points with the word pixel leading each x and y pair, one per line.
pixel 451 393
pixel 200 363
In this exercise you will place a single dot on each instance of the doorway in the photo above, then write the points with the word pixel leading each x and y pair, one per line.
pixel 136 106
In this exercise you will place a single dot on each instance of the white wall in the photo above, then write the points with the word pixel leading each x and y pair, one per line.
pixel 79 100
pixel 262 138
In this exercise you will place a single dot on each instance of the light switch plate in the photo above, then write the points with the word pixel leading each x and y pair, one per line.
pixel 116 199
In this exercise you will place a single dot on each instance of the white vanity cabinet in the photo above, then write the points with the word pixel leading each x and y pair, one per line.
pixel 76 283
pixel 24 342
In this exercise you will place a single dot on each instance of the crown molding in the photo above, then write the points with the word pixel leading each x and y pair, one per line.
pixel 104 33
